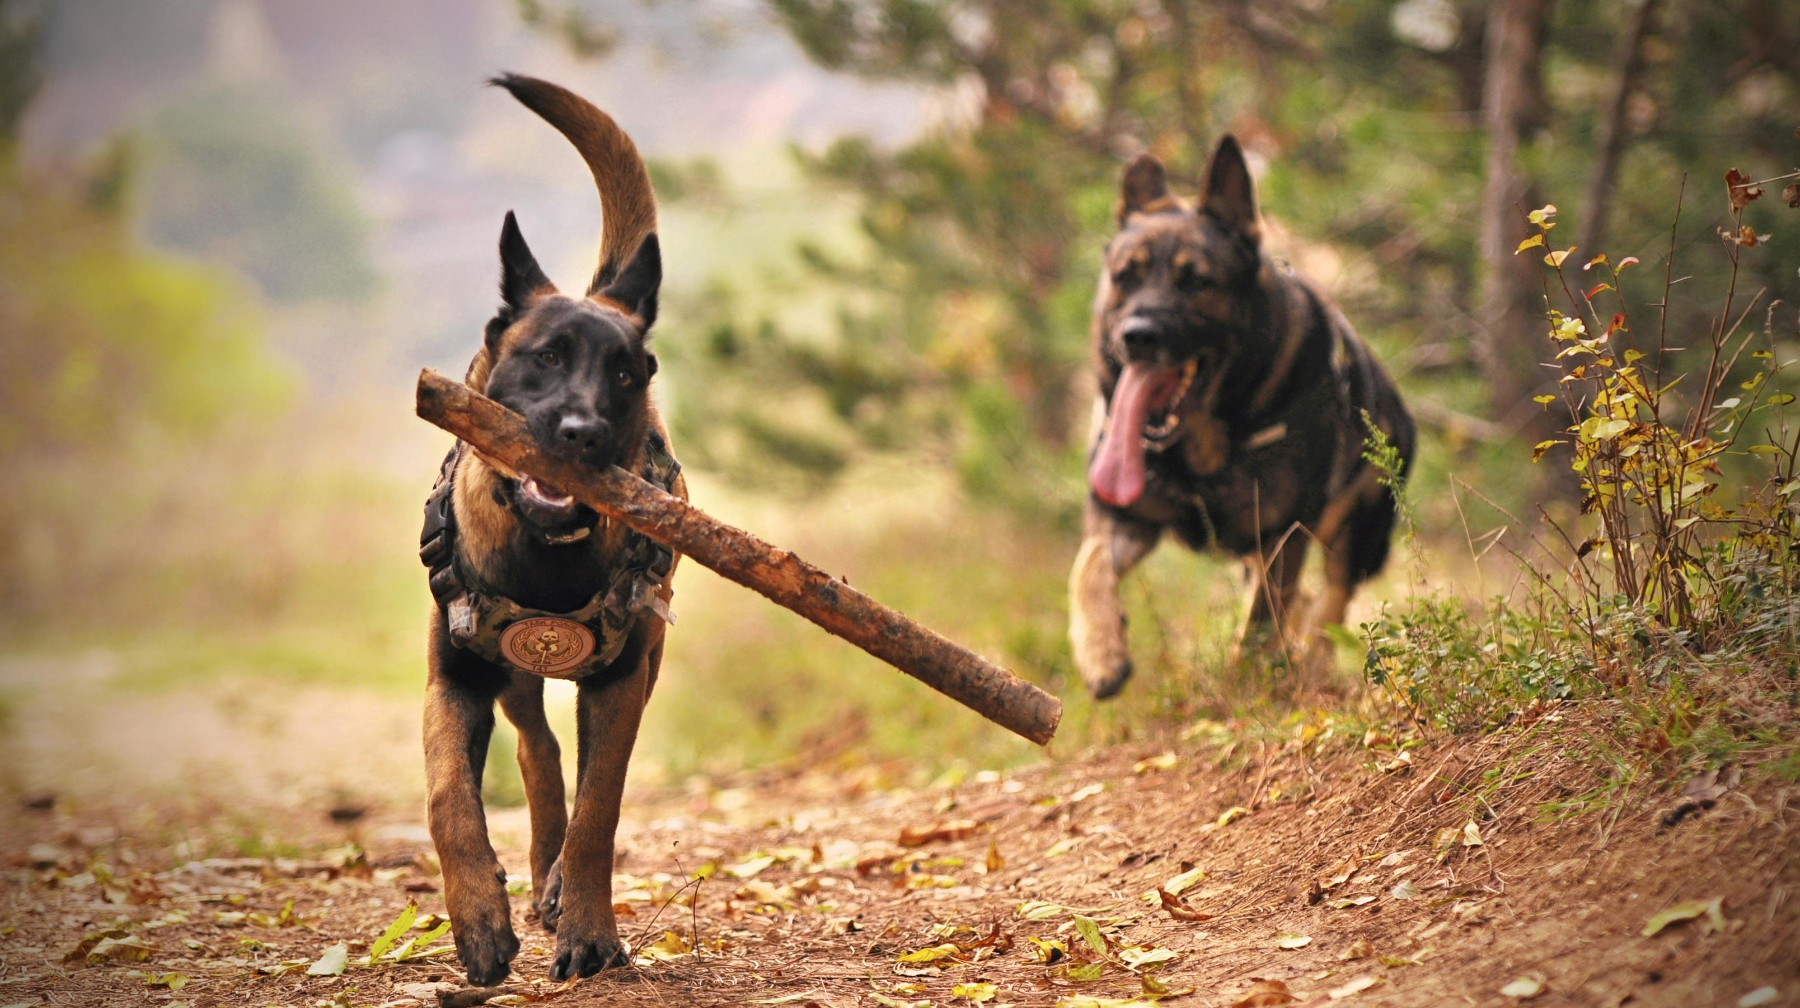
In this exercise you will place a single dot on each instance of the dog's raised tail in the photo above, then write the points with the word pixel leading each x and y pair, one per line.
pixel 627 204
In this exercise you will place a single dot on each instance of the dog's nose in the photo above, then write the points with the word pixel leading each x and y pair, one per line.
pixel 1139 335
pixel 581 434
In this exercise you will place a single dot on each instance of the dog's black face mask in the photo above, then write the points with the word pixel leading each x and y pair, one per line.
pixel 577 370
pixel 1173 305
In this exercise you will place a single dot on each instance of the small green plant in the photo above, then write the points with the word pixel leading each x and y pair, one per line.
pixel 1649 453
pixel 1670 586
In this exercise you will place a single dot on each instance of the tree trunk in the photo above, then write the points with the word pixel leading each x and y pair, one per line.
pixel 1510 340
pixel 1612 137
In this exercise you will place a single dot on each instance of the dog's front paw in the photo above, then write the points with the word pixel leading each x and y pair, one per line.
pixel 486 945
pixel 547 903
pixel 579 954
pixel 1106 678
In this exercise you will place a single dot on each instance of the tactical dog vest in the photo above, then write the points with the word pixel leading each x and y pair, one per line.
pixel 557 645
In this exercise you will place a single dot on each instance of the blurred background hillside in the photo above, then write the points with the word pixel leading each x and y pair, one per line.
pixel 231 231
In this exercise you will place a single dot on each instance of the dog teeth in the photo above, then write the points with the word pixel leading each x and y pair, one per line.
pixel 543 496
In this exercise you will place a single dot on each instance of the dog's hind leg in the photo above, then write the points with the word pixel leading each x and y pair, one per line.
pixel 1110 547
pixel 459 719
pixel 608 710
pixel 1356 549
pixel 1274 587
pixel 540 765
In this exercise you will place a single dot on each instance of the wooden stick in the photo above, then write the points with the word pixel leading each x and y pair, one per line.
pixel 501 436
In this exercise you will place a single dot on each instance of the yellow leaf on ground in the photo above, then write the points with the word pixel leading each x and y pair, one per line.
pixel 1712 909
pixel 1178 884
pixel 1163 762
pixel 669 946
pixel 994 861
pixel 975 992
pixel 1232 814
pixel 933 953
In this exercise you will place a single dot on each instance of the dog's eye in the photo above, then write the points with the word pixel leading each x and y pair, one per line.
pixel 623 378
pixel 1190 279
pixel 549 358
pixel 1126 278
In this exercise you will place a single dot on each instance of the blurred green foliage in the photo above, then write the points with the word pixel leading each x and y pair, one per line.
pixel 957 325
pixel 121 365
pixel 242 180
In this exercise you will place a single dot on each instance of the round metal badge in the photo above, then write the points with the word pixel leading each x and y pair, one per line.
pixel 547 645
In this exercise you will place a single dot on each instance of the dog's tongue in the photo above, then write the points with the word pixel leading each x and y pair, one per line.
pixel 1117 472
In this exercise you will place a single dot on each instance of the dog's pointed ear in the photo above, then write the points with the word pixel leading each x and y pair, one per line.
pixel 637 281
pixel 521 279
pixel 1230 194
pixel 1144 184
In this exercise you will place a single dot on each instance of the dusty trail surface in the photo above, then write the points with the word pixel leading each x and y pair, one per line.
pixel 1480 872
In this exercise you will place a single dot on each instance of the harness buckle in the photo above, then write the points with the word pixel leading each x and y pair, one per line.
pixel 461 617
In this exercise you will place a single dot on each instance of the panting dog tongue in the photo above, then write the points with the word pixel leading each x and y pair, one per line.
pixel 1117 472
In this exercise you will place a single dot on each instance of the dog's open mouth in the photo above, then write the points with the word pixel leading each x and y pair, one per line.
pixel 558 515
pixel 1144 393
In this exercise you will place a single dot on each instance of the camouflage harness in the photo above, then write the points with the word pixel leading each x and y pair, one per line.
pixel 557 645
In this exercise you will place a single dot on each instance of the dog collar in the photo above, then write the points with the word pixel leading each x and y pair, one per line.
pixel 565 645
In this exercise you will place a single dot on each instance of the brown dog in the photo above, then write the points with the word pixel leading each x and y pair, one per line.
pixel 530 583
pixel 1235 403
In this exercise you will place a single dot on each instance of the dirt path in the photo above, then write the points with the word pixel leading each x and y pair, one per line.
pixel 1437 877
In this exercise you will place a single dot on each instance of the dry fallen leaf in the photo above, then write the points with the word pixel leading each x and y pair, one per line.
pixel 1712 909
pixel 1524 988
pixel 930 954
pixel 1265 994
pixel 954 829
pixel 750 868
pixel 1471 834
pixel 1361 948
pixel 1142 957
pixel 994 861
pixel 975 992
pixel 1179 909
pixel 1179 883
pixel 1343 874
pixel 1356 986
pixel 669 946
pixel 1288 940
pixel 1232 814
pixel 1760 996
pixel 1164 762
pixel 1405 891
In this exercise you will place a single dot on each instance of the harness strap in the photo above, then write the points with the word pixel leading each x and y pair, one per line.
pixel 437 542
pixel 558 645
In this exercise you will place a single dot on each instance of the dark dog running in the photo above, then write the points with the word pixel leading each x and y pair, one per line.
pixel 1234 398
pixel 531 584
